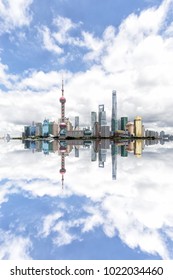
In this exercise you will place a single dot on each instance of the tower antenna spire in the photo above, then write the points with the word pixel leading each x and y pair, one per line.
pixel 62 88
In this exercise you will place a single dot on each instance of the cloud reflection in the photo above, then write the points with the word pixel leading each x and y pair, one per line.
pixel 137 207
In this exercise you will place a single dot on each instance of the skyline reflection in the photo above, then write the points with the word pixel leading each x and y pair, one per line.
pixel 92 216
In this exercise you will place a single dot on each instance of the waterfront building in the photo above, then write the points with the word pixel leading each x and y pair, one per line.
pixel 55 129
pixel 93 121
pixel 75 133
pixel 26 131
pixel 96 130
pixel 105 131
pixel 102 115
pixel 76 124
pixel 38 130
pixel 45 128
pixel 124 121
pixel 130 128
pixel 162 133
pixel 32 129
pixel 138 126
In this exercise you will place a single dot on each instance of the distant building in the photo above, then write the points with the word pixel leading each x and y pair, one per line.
pixel 162 133
pixel 75 133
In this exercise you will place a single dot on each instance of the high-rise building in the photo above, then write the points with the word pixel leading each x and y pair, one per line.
pixel 45 128
pixel 93 121
pixel 55 129
pixel 76 122
pixel 114 122
pixel 102 115
pixel 27 131
pixel 38 131
pixel 138 126
pixel 105 131
pixel 124 121
pixel 130 128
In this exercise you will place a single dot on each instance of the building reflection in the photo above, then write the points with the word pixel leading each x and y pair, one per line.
pixel 98 148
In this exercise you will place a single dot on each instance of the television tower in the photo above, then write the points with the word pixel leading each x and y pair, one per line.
pixel 62 101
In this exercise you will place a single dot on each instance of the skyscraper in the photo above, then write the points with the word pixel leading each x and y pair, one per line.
pixel 138 126
pixel 93 120
pixel 114 122
pixel 102 115
pixel 124 121
pixel 76 122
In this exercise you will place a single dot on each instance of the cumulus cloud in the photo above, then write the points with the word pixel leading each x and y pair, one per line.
pixel 48 42
pixel 14 247
pixel 14 14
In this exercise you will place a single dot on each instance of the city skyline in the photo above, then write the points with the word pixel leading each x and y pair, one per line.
pixel 95 54
pixel 96 127
pixel 106 65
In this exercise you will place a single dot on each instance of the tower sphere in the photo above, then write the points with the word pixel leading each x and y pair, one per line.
pixel 62 171
pixel 62 99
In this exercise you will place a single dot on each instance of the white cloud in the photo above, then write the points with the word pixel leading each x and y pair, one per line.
pixel 14 247
pixel 49 222
pixel 14 14
pixel 49 42
pixel 6 79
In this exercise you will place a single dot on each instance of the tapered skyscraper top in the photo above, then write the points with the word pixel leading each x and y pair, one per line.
pixel 114 122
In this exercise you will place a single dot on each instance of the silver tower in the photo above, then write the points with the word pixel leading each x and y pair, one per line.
pixel 114 153
pixel 114 122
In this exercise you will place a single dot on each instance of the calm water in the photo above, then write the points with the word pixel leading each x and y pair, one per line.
pixel 87 201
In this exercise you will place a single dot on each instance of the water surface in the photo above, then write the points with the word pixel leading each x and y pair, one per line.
pixel 86 201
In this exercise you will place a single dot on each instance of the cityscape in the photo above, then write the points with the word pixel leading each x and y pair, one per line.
pixel 96 128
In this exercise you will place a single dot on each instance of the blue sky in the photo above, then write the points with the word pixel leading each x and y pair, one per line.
pixel 98 46
pixel 21 45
